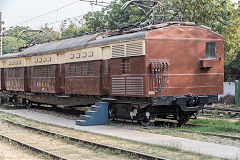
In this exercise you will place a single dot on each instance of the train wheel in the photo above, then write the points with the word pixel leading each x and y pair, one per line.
pixel 28 105
pixel 183 118
pixel 147 119
pixel 111 113
pixel 3 101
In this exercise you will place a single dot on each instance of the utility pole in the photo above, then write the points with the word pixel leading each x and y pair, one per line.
pixel 1 22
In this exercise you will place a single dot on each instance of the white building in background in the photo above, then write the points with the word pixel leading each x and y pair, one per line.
pixel 228 88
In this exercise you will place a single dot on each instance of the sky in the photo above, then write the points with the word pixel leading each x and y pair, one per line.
pixel 16 11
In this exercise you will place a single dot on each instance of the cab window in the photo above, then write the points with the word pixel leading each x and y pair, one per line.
pixel 211 50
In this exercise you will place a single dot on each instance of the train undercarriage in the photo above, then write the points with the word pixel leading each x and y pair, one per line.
pixel 142 110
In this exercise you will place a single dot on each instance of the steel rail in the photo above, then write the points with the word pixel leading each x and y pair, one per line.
pixel 222 109
pixel 211 134
pixel 207 133
pixel 73 139
pixel 204 133
pixel 35 149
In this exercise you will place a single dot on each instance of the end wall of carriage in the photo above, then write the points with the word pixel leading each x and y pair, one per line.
pixel 178 53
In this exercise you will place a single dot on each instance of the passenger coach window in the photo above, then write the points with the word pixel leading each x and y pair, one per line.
pixel 85 69
pixel 42 72
pixel 13 73
pixel 211 50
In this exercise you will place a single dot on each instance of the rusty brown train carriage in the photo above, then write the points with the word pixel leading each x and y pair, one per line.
pixel 166 69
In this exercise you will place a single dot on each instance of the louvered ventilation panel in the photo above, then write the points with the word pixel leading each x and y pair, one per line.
pixel 134 86
pixel 134 48
pixel 118 50
pixel 118 86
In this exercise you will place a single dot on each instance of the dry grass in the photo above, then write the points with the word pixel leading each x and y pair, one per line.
pixel 10 151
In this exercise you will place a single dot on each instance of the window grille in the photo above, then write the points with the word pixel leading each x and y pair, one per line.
pixel 90 69
pixel 13 73
pixel 83 69
pixel 72 70
pixel 125 66
pixel 42 71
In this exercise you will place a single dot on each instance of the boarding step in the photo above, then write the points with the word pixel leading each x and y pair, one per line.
pixel 91 113
pixel 80 122
pixel 97 115
pixel 85 117
pixel 95 108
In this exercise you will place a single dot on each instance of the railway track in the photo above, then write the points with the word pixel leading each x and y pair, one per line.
pixel 230 112
pixel 32 148
pixel 175 124
pixel 82 141
pixel 212 134
pixel 222 109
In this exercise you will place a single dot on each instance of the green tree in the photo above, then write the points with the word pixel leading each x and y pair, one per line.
pixel 112 17
pixel 73 28
pixel 231 35
pixel 232 69
pixel 15 32
pixel 212 13
pixel 15 37
pixel 12 44
pixel 95 20
pixel 48 34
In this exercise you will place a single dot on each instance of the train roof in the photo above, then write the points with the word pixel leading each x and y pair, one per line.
pixel 74 43
pixel 88 41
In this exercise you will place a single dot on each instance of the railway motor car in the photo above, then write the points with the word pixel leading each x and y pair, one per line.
pixel 168 70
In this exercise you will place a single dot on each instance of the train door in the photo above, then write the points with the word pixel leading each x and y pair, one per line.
pixel 105 70
pixel 105 77
pixel 60 78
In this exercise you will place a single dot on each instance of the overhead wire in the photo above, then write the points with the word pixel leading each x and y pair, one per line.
pixel 57 21
pixel 92 2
